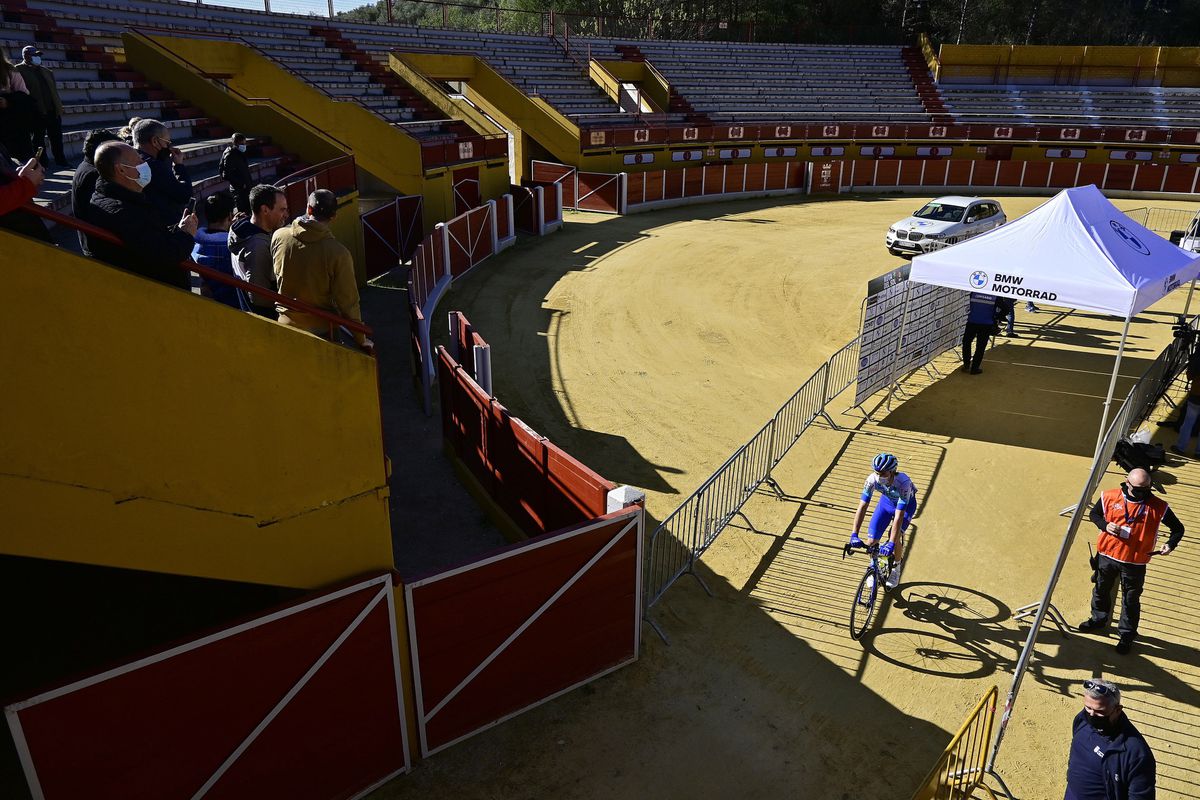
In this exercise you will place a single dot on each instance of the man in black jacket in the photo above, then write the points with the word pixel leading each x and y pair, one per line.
pixel 170 184
pixel 83 184
pixel 235 169
pixel 1109 759
pixel 121 207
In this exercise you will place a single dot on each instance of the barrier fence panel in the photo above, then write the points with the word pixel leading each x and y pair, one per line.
pixel 302 702
pixel 842 370
pixel 525 208
pixel 381 239
pixel 548 172
pixel 470 239
pixel 599 191
pixel 499 636
pixel 410 219
pixel 798 413
pixel 961 768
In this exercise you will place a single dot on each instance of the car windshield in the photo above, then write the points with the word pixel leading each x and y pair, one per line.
pixel 940 212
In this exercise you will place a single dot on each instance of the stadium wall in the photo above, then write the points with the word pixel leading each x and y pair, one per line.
pixel 1069 65
pixel 186 437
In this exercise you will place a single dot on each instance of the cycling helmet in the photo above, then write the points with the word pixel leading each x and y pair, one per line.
pixel 885 462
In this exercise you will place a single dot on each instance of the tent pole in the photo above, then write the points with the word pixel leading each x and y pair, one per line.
pixel 1112 384
pixel 1188 303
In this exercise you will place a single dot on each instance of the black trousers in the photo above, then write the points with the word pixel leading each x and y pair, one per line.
pixel 49 126
pixel 1133 578
pixel 978 333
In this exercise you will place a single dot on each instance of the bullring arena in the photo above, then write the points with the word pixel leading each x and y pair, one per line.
pixel 562 513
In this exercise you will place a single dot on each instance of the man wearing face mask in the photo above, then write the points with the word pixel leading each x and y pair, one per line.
pixel 235 169
pixel 170 186
pixel 44 91
pixel 1128 519
pixel 1110 760
pixel 121 206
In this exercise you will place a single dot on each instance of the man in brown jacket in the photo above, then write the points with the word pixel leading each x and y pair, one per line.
pixel 44 91
pixel 312 266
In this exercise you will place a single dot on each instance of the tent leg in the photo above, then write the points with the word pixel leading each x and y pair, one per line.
pixel 1112 384
pixel 1188 303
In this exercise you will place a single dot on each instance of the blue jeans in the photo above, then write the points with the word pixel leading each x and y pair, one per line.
pixel 1185 429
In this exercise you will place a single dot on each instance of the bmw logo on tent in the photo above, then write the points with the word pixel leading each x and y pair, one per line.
pixel 979 279
pixel 1128 238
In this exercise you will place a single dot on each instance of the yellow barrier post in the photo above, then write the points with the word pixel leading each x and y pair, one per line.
pixel 961 768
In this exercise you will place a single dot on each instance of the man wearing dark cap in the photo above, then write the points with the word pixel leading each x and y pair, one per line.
pixel 312 266
pixel 44 91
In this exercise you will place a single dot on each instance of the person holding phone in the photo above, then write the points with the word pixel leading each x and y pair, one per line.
pixel 170 185
pixel 121 206
pixel 1128 519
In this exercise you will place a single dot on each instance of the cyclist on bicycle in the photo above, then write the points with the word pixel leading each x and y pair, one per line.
pixel 897 504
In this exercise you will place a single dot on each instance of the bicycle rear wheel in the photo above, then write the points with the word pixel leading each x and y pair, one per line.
pixel 863 605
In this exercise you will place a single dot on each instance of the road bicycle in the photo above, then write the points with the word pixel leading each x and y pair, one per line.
pixel 867 595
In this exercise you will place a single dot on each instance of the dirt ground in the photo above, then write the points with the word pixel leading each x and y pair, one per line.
pixel 651 347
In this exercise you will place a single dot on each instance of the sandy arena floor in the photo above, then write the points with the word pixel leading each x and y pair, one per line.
pixel 651 347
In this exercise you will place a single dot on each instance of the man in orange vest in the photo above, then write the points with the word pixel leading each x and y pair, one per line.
pixel 1128 519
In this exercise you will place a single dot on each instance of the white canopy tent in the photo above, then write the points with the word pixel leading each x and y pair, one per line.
pixel 1076 250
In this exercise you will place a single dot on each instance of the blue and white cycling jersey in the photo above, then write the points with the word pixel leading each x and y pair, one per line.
pixel 901 492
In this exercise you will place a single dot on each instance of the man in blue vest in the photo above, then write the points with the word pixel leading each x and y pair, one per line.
pixel 981 323
pixel 1109 759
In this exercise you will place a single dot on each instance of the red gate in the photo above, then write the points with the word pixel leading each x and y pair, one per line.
pixel 547 172
pixel 599 191
pixel 499 636
pixel 470 239
pixel 466 190
pixel 304 702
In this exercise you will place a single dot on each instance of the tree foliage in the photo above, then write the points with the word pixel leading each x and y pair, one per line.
pixel 1095 22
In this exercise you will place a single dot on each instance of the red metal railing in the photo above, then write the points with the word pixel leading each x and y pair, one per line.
pixel 213 275
pixel 337 175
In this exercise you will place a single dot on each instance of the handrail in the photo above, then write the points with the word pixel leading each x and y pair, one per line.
pixel 308 172
pixel 206 272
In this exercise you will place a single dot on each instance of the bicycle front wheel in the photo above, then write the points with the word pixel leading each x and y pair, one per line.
pixel 863 606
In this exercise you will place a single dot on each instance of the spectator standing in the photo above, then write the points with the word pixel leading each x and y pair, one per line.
pixel 312 266
pixel 1192 413
pixel 170 186
pixel 17 187
pixel 212 247
pixel 1128 519
pixel 1110 759
pixel 44 91
pixel 250 244
pixel 121 206
pixel 17 112
pixel 235 169
pixel 1006 311
pixel 980 324
pixel 83 183
pixel 126 133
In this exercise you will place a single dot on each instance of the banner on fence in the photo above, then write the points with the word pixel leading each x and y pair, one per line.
pixel 904 327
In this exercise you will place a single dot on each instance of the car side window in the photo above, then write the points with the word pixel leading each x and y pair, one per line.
pixel 974 214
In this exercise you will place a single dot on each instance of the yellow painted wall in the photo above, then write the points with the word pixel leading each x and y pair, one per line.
pixel 609 75
pixel 388 154
pixel 147 428
pixel 1165 66
pixel 505 103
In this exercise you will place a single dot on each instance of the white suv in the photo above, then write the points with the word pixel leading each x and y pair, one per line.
pixel 941 222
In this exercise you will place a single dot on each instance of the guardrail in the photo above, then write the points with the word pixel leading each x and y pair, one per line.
pixel 683 537
pixel 960 769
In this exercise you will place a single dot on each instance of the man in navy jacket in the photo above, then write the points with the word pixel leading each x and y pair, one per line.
pixel 1109 758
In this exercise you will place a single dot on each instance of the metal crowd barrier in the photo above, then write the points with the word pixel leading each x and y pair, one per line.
pixel 683 537
pixel 960 770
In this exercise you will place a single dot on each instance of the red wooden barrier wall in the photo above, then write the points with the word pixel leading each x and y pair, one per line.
pixel 506 633
pixel 301 703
